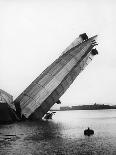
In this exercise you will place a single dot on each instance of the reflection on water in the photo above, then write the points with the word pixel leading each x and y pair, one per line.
pixel 62 135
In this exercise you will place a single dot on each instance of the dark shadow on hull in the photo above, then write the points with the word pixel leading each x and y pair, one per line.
pixel 7 115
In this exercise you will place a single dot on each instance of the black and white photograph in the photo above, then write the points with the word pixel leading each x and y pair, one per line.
pixel 57 77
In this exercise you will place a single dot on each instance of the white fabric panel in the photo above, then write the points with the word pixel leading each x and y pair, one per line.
pixel 82 52
pixel 52 85
pixel 34 90
pixel 70 64
pixel 24 101
pixel 27 111
pixel 67 57
pixel 30 96
pixel 55 69
pixel 41 95
pixel 33 104
pixel 45 79
pixel 66 69
pixel 61 74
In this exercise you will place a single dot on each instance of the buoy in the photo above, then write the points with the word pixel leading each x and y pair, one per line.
pixel 88 132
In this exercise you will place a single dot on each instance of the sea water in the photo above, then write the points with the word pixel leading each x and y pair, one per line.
pixel 63 135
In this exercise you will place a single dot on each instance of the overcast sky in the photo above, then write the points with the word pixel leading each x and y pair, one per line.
pixel 33 33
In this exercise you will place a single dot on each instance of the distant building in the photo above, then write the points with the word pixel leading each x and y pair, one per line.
pixel 92 107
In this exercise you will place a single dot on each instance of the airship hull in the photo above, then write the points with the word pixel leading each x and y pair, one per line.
pixel 37 99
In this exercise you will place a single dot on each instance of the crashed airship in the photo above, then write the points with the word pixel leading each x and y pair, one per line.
pixel 37 99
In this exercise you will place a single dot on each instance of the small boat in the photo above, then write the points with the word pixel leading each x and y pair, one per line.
pixel 88 132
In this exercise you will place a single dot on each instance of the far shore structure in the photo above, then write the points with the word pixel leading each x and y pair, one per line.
pixel 37 99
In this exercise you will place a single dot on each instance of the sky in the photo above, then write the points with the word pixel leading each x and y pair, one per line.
pixel 33 33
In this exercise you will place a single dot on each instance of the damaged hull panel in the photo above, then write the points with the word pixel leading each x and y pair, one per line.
pixel 7 108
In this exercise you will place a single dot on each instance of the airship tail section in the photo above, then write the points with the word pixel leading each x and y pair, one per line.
pixel 47 88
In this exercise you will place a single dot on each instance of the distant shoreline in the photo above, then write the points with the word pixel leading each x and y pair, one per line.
pixel 86 107
pixel 80 109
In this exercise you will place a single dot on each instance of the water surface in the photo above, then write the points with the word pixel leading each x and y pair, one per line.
pixel 63 135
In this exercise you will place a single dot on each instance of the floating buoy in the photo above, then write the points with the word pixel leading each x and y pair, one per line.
pixel 88 132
